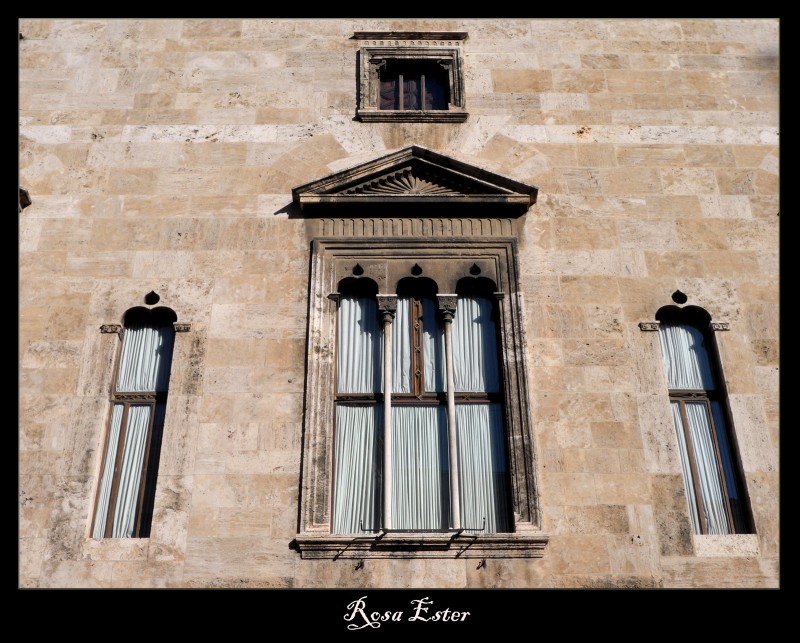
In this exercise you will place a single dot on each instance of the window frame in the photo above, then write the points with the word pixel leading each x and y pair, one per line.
pixel 381 259
pixel 700 320
pixel 446 310
pixel 398 49
pixel 146 487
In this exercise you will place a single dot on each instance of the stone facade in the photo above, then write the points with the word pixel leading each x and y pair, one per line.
pixel 162 154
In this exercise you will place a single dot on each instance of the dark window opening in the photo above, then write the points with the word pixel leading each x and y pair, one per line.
pixel 414 85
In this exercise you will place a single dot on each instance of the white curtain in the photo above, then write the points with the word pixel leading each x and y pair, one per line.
pixel 433 348
pixel 360 345
pixel 107 479
pixel 131 473
pixel 401 347
pixel 483 475
pixel 355 491
pixel 420 474
pixel 144 363
pixel 144 368
pixel 420 489
pixel 475 346
pixel 687 366
pixel 707 470
pixel 686 361
pixel 686 467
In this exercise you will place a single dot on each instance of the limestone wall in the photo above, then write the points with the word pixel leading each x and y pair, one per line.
pixel 160 155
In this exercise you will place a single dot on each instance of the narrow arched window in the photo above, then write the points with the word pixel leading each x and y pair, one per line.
pixel 714 486
pixel 126 492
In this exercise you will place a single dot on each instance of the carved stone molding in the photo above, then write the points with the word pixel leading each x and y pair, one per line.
pixel 111 328
pixel 720 326
pixel 447 306
pixel 414 227
pixel 182 327
pixel 415 182
pixel 144 397
pixel 387 306
pixel 649 325
pixel 422 545
pixel 411 38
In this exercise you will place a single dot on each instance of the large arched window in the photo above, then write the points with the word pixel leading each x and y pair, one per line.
pixel 714 486
pixel 427 452
pixel 417 431
pixel 138 401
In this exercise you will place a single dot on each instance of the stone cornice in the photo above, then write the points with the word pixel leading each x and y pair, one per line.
pixel 419 38
pixel 411 179
pixel 422 545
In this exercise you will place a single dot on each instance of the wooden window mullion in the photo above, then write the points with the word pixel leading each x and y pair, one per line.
pixel 417 357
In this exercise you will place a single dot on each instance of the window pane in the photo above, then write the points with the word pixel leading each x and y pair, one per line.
pixel 707 470
pixel 131 471
pixel 686 361
pixel 483 475
pixel 412 98
pixel 435 94
pixel 389 94
pixel 360 345
pixel 727 466
pixel 420 488
pixel 475 346
pixel 686 467
pixel 146 358
pixel 433 348
pixel 355 493
pixel 401 347
pixel 107 479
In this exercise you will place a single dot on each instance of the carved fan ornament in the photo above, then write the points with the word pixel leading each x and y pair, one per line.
pixel 415 175
pixel 404 181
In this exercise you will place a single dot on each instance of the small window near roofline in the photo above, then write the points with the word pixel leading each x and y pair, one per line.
pixel 410 76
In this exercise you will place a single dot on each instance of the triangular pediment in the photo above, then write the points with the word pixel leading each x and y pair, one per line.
pixel 413 180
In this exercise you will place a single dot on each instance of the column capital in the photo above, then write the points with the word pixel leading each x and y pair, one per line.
pixel 387 306
pixel 447 306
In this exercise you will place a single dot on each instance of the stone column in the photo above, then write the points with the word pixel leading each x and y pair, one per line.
pixel 387 307
pixel 447 308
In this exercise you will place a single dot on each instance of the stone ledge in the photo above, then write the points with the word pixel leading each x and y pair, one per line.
pixel 115 549
pixel 725 546
pixel 421 545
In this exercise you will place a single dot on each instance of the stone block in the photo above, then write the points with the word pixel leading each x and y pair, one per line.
pixel 522 80
pixel 569 488
pixel 579 554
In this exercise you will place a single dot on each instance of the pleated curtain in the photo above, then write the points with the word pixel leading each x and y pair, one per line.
pixel 420 467
pixel 687 367
pixel 144 368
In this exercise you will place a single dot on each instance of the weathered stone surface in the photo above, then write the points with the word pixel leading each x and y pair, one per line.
pixel 160 155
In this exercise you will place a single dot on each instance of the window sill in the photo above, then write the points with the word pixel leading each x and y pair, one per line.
pixel 726 546
pixel 410 116
pixel 115 548
pixel 421 545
